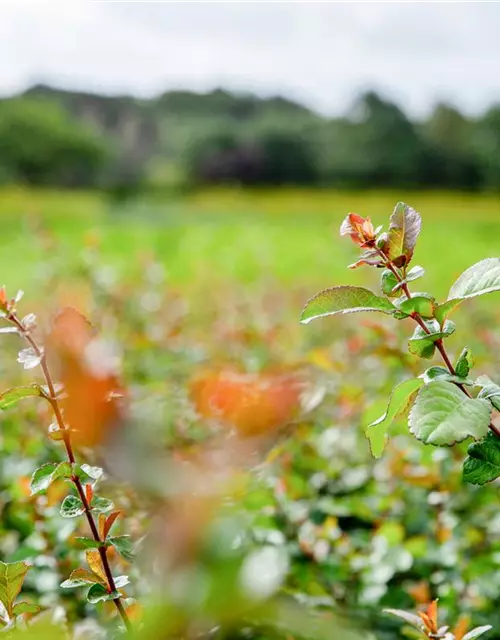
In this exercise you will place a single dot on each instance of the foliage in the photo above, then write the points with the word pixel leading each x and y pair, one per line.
pixel 51 136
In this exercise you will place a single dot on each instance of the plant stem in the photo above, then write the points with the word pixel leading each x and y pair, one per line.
pixel 66 433
pixel 439 343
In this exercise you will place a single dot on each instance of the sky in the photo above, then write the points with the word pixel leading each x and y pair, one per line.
pixel 321 54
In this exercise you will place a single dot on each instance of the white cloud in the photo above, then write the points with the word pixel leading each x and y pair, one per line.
pixel 322 54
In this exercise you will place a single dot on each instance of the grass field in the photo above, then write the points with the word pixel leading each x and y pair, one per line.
pixel 256 238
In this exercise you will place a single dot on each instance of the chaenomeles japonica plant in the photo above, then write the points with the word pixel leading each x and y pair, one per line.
pixel 99 512
pixel 447 404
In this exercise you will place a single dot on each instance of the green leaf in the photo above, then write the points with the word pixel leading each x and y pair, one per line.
pixel 101 505
pixel 409 618
pixel 404 229
pixel 444 415
pixel 478 631
pixel 465 363
pixel 11 581
pixel 88 474
pixel 422 344
pixel 99 593
pixel 72 507
pixel 441 373
pixel 483 461
pixel 376 432
pixel 81 578
pixel 12 396
pixel 123 545
pixel 344 299
pixel 421 303
pixel 483 277
pixel 88 543
pixel 389 284
pixel 25 607
pixel 489 390
pixel 413 274
pixel 43 477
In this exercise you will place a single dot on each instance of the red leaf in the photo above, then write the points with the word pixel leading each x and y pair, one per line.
pixel 109 523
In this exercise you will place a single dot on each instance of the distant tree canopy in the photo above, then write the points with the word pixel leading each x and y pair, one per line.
pixel 41 144
pixel 53 137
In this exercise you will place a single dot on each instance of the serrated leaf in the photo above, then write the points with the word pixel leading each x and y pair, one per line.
pixel 12 576
pixel 482 464
pixel 98 593
pixel 441 373
pixel 88 543
pixel 72 507
pixel 43 477
pixel 422 344
pixel 25 607
pixel 421 303
pixel 81 578
pixel 444 415
pixel 409 618
pixel 376 432
pixel 404 229
pixel 464 363
pixel 344 299
pixel 124 546
pixel 483 277
pixel 101 505
pixel 12 396
pixel 478 631
pixel 95 563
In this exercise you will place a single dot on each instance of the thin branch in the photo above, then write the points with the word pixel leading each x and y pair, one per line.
pixel 66 433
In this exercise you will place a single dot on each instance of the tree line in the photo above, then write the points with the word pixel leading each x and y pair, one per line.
pixel 67 139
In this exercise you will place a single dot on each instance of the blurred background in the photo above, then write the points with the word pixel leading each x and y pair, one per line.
pixel 178 172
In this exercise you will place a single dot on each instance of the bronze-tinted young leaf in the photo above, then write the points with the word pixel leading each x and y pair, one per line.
pixel 404 229
pixel 482 464
pixel 12 396
pixel 109 523
pixel 344 299
pixel 11 581
pixel 95 563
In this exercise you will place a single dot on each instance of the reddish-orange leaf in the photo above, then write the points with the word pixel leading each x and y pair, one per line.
pixel 102 524
pixel 432 612
pixel 95 563
pixel 461 628
pixel 89 492
pixel 109 523
pixel 426 620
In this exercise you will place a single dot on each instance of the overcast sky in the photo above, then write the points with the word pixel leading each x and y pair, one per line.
pixel 321 54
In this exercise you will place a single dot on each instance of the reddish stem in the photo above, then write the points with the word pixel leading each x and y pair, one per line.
pixel 66 433
pixel 439 343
